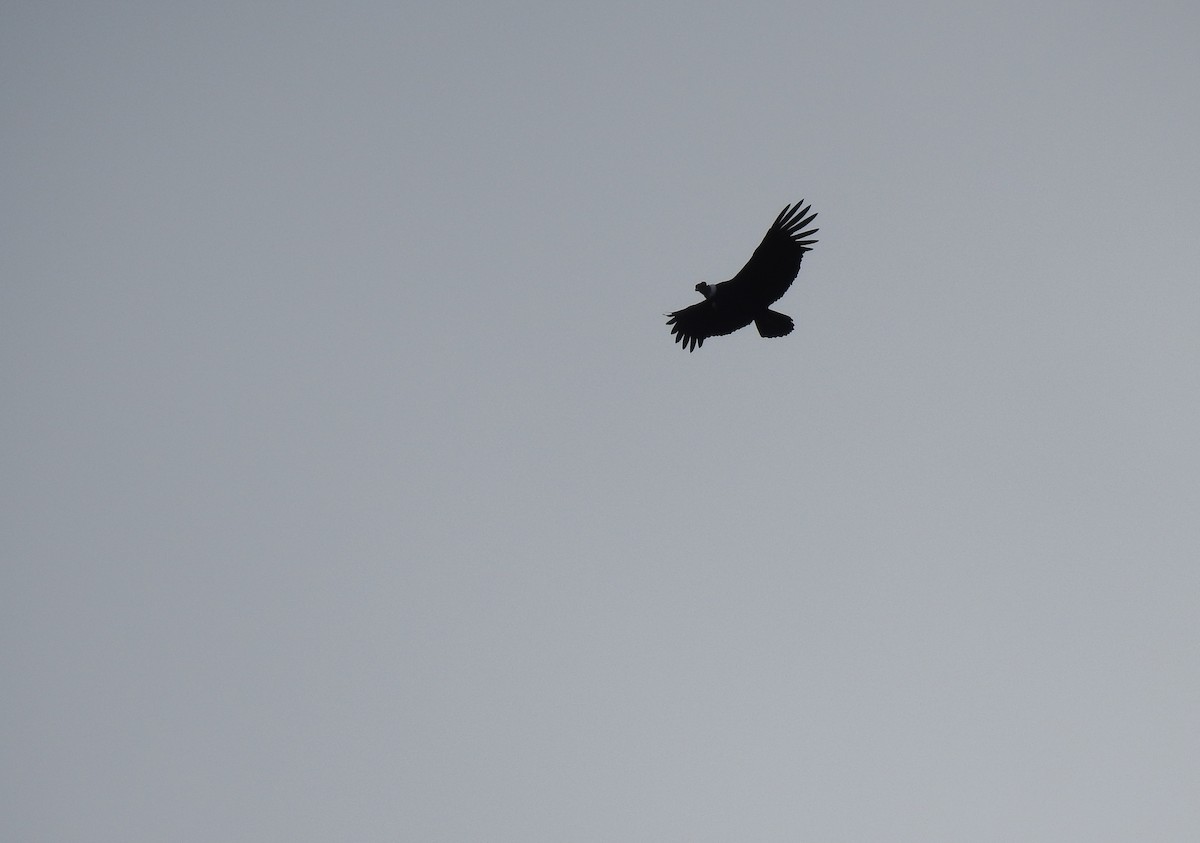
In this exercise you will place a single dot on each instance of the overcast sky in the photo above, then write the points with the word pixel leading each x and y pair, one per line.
pixel 353 488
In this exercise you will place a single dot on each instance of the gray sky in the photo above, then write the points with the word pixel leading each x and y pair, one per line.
pixel 354 489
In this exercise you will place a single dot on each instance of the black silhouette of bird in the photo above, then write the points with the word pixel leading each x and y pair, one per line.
pixel 746 297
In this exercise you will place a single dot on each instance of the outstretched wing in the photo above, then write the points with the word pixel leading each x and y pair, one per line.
pixel 693 325
pixel 774 264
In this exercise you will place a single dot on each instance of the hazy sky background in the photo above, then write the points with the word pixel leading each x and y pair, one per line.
pixel 353 488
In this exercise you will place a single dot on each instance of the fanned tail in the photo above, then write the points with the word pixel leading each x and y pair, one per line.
pixel 773 324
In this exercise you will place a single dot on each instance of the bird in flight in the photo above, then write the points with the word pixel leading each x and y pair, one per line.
pixel 746 297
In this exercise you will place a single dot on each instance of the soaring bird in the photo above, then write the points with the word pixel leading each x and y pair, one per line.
pixel 746 297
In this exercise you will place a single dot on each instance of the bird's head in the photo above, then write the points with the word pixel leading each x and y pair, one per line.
pixel 705 289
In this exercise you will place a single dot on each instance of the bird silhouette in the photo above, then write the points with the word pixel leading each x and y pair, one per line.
pixel 747 296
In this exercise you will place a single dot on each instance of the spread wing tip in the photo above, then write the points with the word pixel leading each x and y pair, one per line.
pixel 689 342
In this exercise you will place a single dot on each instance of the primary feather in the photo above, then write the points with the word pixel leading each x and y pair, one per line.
pixel 746 297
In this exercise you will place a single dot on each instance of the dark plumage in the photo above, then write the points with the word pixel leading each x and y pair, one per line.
pixel 746 297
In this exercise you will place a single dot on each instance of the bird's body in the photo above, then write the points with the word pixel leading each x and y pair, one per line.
pixel 747 297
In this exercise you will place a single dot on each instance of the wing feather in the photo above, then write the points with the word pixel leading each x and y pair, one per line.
pixel 693 325
pixel 774 264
